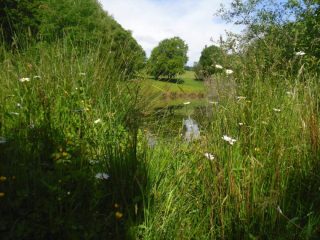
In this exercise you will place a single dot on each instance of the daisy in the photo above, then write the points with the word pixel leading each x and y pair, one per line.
pixel 300 53
pixel 229 71
pixel 102 176
pixel 228 139
pixel 97 121
pixel 26 79
pixel 209 156
pixel 241 98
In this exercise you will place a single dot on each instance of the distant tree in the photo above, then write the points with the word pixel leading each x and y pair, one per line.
pixel 210 57
pixel 168 58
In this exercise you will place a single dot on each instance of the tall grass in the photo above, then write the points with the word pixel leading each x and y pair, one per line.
pixel 74 163
pixel 264 186
pixel 66 115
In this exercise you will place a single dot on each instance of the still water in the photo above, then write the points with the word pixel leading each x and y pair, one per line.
pixel 184 121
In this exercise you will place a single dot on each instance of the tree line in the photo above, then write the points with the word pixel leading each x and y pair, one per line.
pixel 286 27
pixel 81 22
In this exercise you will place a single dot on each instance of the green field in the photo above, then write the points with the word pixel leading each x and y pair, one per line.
pixel 188 86
pixel 165 93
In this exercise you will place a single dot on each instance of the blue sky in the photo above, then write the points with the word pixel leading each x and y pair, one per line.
pixel 154 20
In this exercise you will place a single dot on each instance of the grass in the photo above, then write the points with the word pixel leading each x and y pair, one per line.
pixel 165 93
pixel 66 117
pixel 264 186
pixel 76 116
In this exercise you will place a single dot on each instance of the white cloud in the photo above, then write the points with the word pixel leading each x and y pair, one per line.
pixel 154 20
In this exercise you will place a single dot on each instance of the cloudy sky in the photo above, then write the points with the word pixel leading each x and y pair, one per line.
pixel 154 20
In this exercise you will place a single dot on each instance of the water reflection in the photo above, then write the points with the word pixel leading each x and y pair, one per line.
pixel 151 140
pixel 177 120
pixel 192 131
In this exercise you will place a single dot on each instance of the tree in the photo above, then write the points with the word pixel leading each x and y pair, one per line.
pixel 210 57
pixel 276 30
pixel 168 58
pixel 18 16
pixel 82 22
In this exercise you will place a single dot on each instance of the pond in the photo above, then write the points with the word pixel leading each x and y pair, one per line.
pixel 186 120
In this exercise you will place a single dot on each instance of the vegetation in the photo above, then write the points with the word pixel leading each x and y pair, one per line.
pixel 210 58
pixel 165 93
pixel 264 184
pixel 81 23
pixel 79 158
pixel 168 58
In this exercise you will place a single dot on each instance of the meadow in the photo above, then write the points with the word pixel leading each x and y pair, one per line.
pixel 77 163
pixel 163 93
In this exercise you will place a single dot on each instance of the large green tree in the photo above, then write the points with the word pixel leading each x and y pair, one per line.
pixel 168 58
pixel 210 57
pixel 81 22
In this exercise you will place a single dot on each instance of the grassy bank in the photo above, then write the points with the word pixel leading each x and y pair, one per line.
pixel 262 186
pixel 75 163
pixel 179 90
pixel 69 163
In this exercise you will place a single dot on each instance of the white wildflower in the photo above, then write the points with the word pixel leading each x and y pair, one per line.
pixel 218 66
pixel 18 105
pixel 209 156
pixel 229 71
pixel 97 121
pixel 300 53
pixel 82 74
pixel 36 77
pixel 102 176
pixel 276 109
pixel 186 103
pixel 241 124
pixel 26 79
pixel 228 139
pixel 241 98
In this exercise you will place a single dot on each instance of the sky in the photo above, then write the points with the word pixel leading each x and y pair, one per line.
pixel 154 20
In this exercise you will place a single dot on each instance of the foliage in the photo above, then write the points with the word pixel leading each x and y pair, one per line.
pixel 168 58
pixel 290 26
pixel 264 185
pixel 81 22
pixel 66 116
pixel 18 16
pixel 210 57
